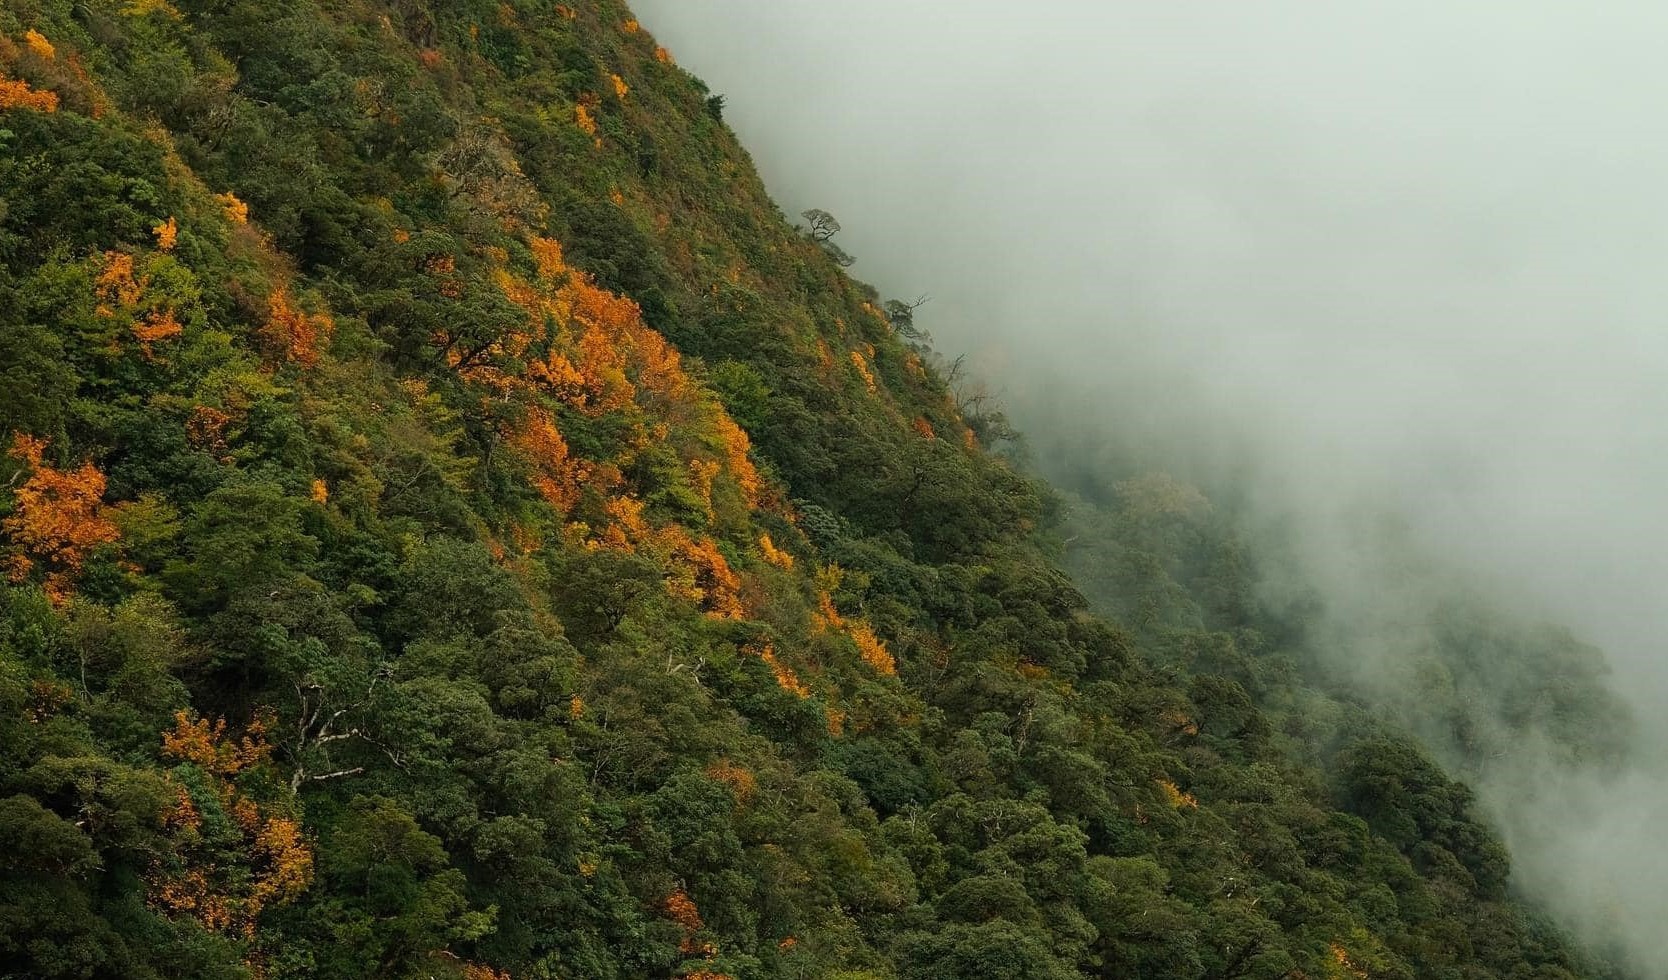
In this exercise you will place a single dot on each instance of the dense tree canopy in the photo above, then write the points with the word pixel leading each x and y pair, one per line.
pixel 454 525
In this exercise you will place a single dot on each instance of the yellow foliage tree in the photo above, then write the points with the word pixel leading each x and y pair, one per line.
pixel 701 473
pixel 236 211
pixel 37 43
pixel 1342 965
pixel 735 445
pixel 872 648
pixel 863 371
pixel 547 255
pixel 117 287
pixel 584 120
pixel 776 556
pixel 1176 798
pixel 140 8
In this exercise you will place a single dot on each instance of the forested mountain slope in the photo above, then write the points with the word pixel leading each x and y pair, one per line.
pixel 455 526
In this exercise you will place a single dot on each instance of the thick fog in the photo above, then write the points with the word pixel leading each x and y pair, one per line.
pixel 1344 258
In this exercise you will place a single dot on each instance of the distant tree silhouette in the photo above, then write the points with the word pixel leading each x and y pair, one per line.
pixel 823 228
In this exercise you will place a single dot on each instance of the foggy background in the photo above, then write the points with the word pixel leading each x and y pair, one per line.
pixel 1346 259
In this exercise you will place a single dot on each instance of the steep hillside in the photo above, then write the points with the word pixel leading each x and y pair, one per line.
pixel 456 526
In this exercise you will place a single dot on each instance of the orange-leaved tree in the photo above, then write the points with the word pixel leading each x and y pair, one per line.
pixel 293 334
pixel 556 473
pixel 681 909
pixel 16 94
pixel 225 872
pixel 58 517
pixel 786 678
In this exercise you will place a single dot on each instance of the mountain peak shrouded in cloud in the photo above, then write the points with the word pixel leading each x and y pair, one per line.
pixel 1332 261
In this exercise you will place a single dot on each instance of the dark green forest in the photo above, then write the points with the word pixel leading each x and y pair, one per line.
pixel 454 524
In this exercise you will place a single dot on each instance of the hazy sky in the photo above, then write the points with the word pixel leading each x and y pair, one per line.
pixel 1412 255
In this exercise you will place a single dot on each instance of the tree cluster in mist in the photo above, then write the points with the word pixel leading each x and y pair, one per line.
pixel 1343 264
